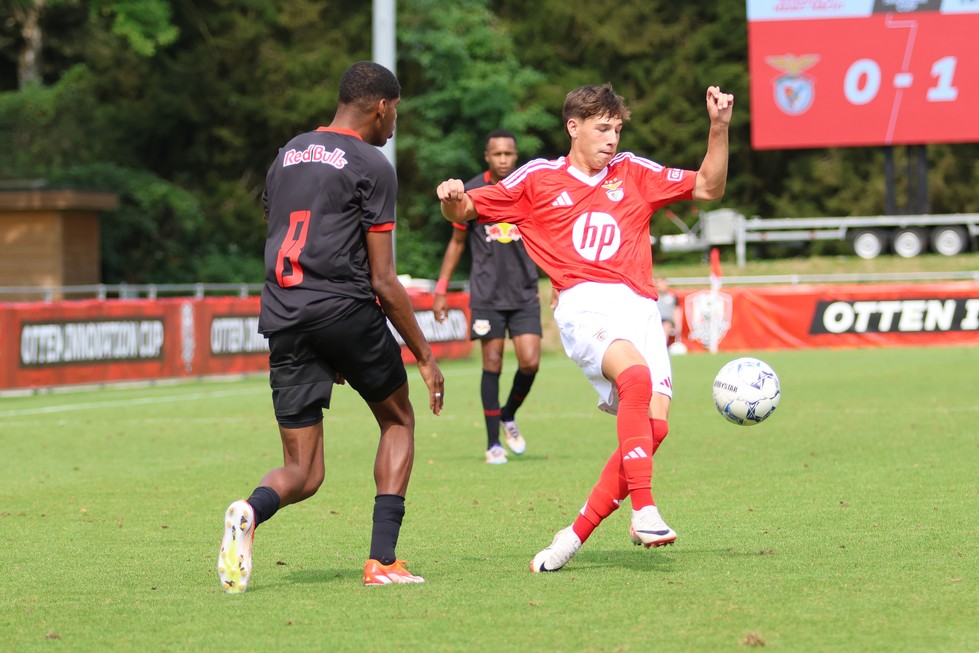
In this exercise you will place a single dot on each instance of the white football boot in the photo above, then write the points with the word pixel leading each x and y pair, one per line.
pixel 563 547
pixel 514 439
pixel 235 557
pixel 649 529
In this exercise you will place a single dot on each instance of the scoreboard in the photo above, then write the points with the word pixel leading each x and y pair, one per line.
pixel 827 73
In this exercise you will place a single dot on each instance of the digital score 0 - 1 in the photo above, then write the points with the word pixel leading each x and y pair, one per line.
pixel 827 73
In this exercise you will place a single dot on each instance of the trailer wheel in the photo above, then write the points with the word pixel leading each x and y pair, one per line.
pixel 908 243
pixel 868 243
pixel 948 240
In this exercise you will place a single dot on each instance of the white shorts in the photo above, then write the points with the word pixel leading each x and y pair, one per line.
pixel 591 316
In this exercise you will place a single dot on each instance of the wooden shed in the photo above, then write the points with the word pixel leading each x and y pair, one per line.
pixel 50 237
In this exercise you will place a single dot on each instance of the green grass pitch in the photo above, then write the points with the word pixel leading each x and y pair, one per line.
pixel 849 521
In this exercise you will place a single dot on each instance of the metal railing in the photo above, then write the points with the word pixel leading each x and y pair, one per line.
pixel 200 290
pixel 800 279
pixel 103 291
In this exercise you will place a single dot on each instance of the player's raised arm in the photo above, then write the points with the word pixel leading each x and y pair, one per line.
pixel 455 204
pixel 712 176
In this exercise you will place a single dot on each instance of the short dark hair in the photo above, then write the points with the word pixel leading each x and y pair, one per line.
pixel 587 101
pixel 366 82
pixel 501 133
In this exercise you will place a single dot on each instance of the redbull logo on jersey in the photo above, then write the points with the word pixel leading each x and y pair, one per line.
pixel 502 232
pixel 596 236
pixel 613 189
pixel 315 154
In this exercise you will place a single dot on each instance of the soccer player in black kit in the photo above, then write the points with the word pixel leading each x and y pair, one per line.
pixel 504 299
pixel 330 288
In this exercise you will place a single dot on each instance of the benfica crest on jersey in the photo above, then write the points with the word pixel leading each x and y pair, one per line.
pixel 708 314
pixel 613 189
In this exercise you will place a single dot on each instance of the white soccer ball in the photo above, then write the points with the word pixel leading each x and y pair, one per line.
pixel 746 391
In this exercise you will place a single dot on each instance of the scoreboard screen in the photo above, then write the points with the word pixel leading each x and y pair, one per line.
pixel 828 73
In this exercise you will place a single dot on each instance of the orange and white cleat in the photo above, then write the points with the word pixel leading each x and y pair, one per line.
pixel 377 574
pixel 235 557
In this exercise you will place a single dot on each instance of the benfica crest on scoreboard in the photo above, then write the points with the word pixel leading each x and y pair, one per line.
pixel 794 92
pixel 708 315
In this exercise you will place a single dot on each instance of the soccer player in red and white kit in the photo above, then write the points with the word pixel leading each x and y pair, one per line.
pixel 585 218
pixel 330 290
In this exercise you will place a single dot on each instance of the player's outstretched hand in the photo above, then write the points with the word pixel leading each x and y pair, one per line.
pixel 433 378
pixel 719 105
pixel 451 194
pixel 451 190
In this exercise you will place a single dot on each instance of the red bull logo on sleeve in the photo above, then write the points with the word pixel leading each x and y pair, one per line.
pixel 502 232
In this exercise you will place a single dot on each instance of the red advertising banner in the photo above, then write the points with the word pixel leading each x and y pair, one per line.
pixel 91 341
pixel 86 342
pixel 227 331
pixel 449 339
pixel 841 316
pixel 862 72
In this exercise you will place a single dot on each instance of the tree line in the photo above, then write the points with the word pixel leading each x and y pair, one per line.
pixel 180 107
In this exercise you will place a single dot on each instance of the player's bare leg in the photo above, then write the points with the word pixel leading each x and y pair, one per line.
pixel 299 477
pixel 392 471
pixel 396 448
pixel 302 470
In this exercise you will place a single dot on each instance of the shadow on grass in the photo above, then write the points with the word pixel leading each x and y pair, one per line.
pixel 309 577
pixel 633 559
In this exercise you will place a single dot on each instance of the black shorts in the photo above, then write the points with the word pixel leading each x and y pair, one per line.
pixel 490 323
pixel 303 365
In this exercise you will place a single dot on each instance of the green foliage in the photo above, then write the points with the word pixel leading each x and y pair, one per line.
pixel 201 95
pixel 156 233
pixel 47 128
pixel 461 78
pixel 143 24
pixel 659 55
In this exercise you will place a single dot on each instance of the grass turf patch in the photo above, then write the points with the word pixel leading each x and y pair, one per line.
pixel 848 521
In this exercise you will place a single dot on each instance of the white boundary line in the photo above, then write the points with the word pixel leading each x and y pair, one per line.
pixel 64 408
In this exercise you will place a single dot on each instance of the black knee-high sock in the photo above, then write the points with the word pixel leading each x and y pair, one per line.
pixel 389 510
pixel 489 390
pixel 265 502
pixel 519 392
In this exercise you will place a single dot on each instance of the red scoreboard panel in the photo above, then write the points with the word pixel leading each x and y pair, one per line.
pixel 828 73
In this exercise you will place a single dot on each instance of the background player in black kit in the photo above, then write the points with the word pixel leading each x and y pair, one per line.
pixel 330 283
pixel 503 296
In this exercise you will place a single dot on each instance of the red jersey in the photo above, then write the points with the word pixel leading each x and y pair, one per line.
pixel 579 228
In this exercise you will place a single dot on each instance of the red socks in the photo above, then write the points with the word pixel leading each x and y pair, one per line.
pixel 660 430
pixel 604 498
pixel 635 433
pixel 629 470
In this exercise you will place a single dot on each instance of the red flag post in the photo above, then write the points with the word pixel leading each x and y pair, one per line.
pixel 715 287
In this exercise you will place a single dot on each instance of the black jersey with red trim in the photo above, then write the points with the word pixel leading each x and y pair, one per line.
pixel 325 191
pixel 503 277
